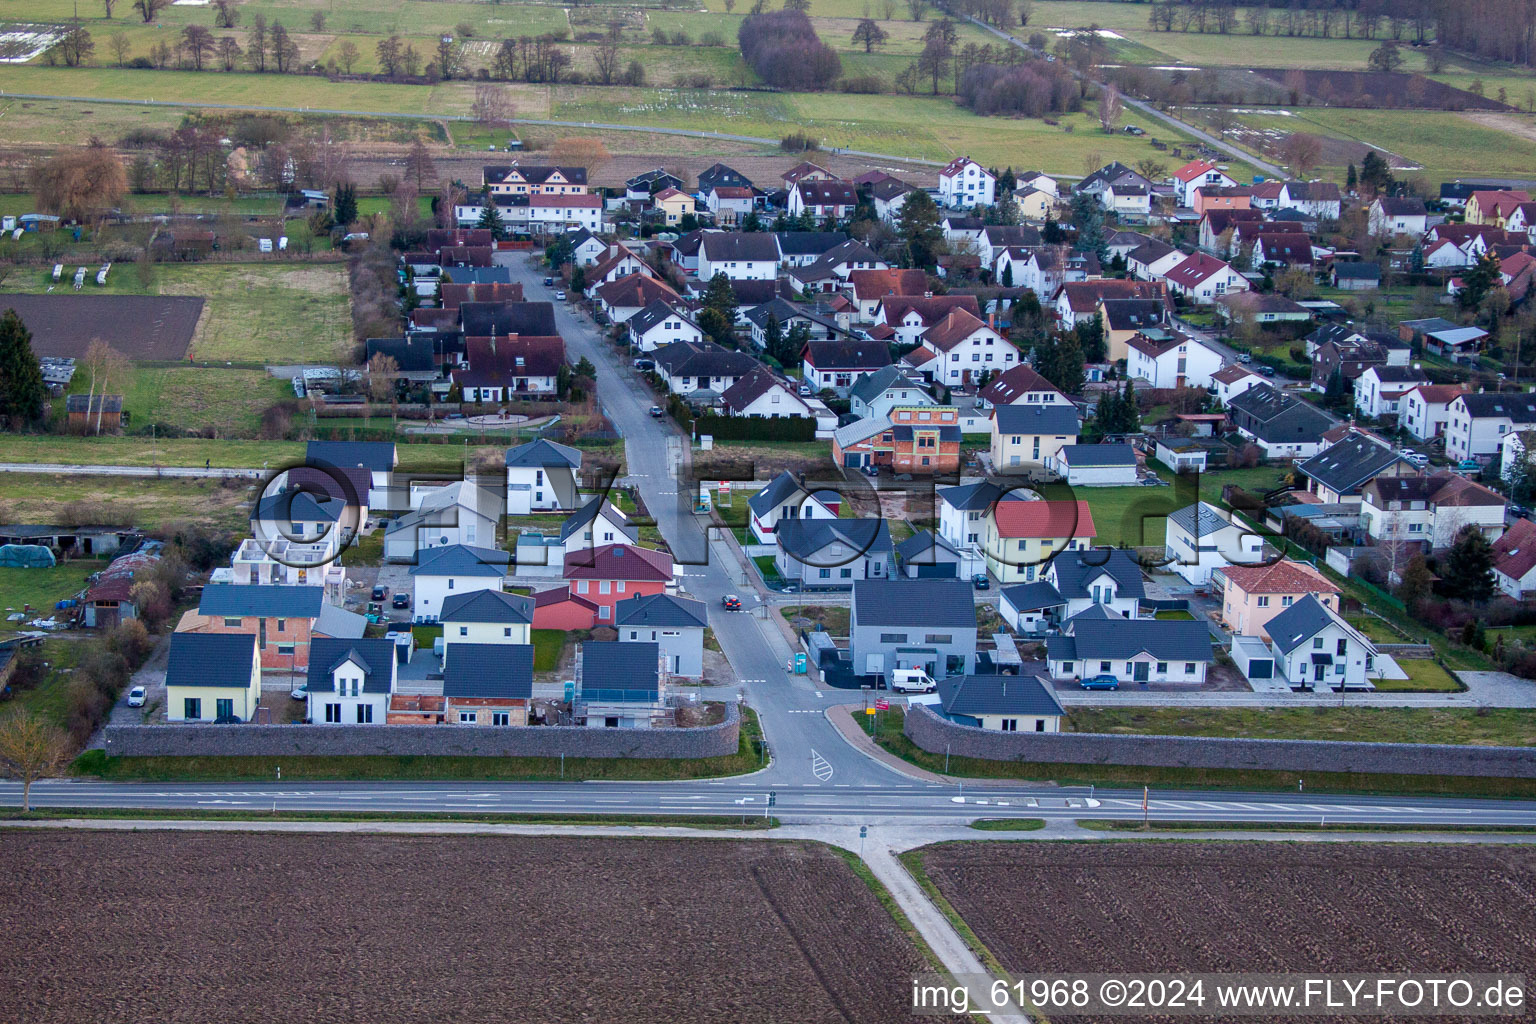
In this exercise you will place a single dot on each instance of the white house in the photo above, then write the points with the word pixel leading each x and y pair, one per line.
pixel 1397 215
pixel 1105 578
pixel 674 624
pixel 1132 650
pixel 960 349
pixel 739 255
pixel 963 183
pixel 542 477
pixel 1320 199
pixel 661 324
pixel 1379 390
pixel 1518 446
pixel 377 458
pixel 1199 174
pixel 1202 277
pixel 729 203
pixel 1231 381
pixel 1514 560
pixel 456 569
pixel 1477 423
pixel 463 512
pixel 1314 646
pixel 1152 259
pixel 1429 510
pixel 1425 410
pixel 874 394
pixel 963 522
pixel 786 498
pixel 1201 538
pixel 350 681
pixel 1094 465
pixel 1168 359
pixel 761 395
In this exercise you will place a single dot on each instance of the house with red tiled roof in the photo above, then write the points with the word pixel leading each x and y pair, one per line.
pixel 1020 386
pixel 1216 224
pixel 611 573
pixel 868 287
pixel 1077 302
pixel 623 298
pixel 1514 560
pixel 1494 206
pixel 1251 595
pixel 1194 175
pixel 561 609
pixel 730 203
pixel 911 315
pixel 960 349
pixel 1424 411
pixel 1023 536
pixel 509 367
pixel 1202 277
pixel 964 183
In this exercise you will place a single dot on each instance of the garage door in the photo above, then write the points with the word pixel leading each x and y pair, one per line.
pixel 1261 668
pixel 936 571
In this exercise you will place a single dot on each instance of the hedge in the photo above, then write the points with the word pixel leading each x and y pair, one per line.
pixel 744 428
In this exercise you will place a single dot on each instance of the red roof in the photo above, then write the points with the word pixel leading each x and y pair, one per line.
pixel 545 598
pixel 1194 169
pixel 732 192
pixel 1284 577
pixel 1514 554
pixel 1439 394
pixel 1196 270
pixel 619 562
pixel 1044 519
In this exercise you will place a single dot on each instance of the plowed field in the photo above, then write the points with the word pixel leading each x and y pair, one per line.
pixel 1245 907
pixel 210 927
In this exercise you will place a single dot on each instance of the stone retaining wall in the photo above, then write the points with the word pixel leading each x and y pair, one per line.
pixel 935 734
pixel 422 740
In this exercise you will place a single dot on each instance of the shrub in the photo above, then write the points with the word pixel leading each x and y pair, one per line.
pixel 863 84
pixel 784 50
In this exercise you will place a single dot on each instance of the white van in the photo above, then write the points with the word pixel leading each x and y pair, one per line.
pixel 912 680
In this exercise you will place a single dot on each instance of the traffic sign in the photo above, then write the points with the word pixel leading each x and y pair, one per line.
pixel 882 705
pixel 869 711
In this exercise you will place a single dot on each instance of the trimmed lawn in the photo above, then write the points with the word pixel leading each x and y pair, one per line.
pixel 227 454
pixel 1176 616
pixel 42 588
pixel 547 647
pixel 1123 516
pixel 1424 676
pixel 766 566
pixel 1488 726
pixel 229 401
pixel 1377 630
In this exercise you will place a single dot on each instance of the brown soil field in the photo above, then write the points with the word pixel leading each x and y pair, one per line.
pixel 208 927
pixel 139 326
pixel 1245 907
pixel 1378 89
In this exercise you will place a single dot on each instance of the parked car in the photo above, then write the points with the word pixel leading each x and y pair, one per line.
pixel 656 411
pixel 1468 466
pixel 645 364
pixel 300 692
pixel 549 282
pixel 1416 458
pixel 1101 682
pixel 1267 371
pixel 731 602
pixel 560 296
pixel 981 581
pixel 805 391
pixel 1519 511
pixel 1246 357
pixel 136 697
pixel 380 592
pixel 401 601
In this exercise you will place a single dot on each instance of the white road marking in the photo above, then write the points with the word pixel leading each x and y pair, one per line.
pixel 820 766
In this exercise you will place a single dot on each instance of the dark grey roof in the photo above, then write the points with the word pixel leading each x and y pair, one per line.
pixel 1134 314
pixel 291 505
pixel 1036 419
pixel 411 355
pixel 377 656
pixel 1357 271
pixel 1096 611
pixel 488 671
pixel 1398 374
pixel 1150 251
pixel 658 311
pixel 1402 206
pixel 973 696
pixel 493 319
pixel 589 513
pixel 1082 455
pixel 801 539
pixel 261 600
pixel 848 354
pixel 951 432
pixel 1118 639
pixel 487 606
pixel 1076 571
pixel 721 174
pixel 211 659
pixel 1521 408
pixel 461 560
pixel 611 670
pixel 809 243
pixel 543 454
pixel 778 491
pixel 739 245
pixel 378 456
pixel 1209 520
pixel 1279 417
pixel 915 549
pixel 1345 466
pixel 1298 624
pixel 660 610
pixel 971 497
pixel 936 602
pixel 870 386
pixel 1028 597
pixel 702 359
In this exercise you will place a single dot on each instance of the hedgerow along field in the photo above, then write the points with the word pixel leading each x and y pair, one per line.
pixel 1166 907
pixel 180 927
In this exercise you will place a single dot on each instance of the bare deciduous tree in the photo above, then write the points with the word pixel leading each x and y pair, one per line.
pixel 382 371
pixel 78 182
pixel 30 749
pixel 149 8
pixel 1301 151
pixel 347 54
pixel 419 165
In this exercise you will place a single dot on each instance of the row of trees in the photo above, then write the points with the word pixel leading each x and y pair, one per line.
pixel 1356 19
pixel 1029 90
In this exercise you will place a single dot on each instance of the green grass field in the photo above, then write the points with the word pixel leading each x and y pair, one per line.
pixel 129 501
pixel 41 588
pixel 1488 726
pixel 1424 676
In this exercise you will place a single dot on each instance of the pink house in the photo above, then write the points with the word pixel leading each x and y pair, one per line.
pixel 609 574
pixel 1251 595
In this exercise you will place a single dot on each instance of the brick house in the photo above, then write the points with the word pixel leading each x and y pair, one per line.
pixel 284 619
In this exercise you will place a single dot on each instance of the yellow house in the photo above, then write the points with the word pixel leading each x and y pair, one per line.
pixel 1251 595
pixel 1125 318
pixel 1493 206
pixel 486 617
pixel 1024 436
pixel 1022 536
pixel 673 204
pixel 213 677
pixel 1036 204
